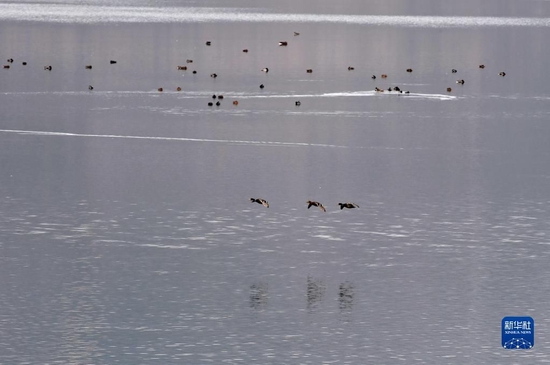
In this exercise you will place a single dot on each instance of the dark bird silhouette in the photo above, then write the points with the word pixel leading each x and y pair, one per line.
pixel 260 201
pixel 348 205
pixel 316 204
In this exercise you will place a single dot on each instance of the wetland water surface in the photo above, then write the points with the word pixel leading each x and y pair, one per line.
pixel 127 235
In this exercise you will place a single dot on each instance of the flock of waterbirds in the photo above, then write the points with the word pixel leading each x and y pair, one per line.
pixel 394 89
pixel 310 203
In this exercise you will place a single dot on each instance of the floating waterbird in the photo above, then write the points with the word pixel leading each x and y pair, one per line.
pixel 454 71
pixel 283 43
pixel 265 69
pixel 409 70
pixel 262 86
pixel 351 68
pixel 298 103
pixel 481 66
pixel 182 68
pixel 502 73
pixel 461 82
pixel 90 87
pixel 309 70
pixel 208 43
pixel 88 67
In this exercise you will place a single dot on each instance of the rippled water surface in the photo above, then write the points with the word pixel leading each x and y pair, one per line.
pixel 127 235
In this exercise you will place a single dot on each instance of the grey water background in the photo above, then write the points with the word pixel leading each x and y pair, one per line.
pixel 126 232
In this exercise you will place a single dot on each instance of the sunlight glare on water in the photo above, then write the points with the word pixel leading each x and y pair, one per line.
pixel 103 14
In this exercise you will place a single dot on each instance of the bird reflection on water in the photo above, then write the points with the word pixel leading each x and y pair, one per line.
pixel 258 295
pixel 315 292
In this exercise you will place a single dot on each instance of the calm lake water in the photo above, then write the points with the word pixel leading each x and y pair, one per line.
pixel 127 235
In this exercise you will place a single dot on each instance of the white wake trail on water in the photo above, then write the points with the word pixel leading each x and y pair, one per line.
pixel 180 139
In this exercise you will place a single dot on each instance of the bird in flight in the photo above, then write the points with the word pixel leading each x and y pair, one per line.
pixel 260 201
pixel 348 205
pixel 315 204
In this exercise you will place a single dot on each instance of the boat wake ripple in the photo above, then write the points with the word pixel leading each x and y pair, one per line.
pixel 180 139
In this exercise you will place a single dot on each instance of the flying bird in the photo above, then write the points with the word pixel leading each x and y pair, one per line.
pixel 348 205
pixel 260 201
pixel 316 204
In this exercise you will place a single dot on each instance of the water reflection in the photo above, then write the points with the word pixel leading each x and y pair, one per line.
pixel 258 295
pixel 345 297
pixel 315 292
